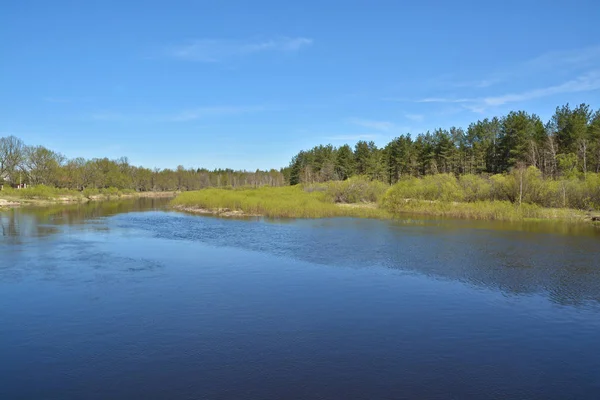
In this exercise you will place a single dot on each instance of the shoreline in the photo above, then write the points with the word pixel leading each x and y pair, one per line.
pixel 217 212
pixel 9 202
pixel 458 210
pixel 549 214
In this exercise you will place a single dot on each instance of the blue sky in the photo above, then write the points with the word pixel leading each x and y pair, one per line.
pixel 248 84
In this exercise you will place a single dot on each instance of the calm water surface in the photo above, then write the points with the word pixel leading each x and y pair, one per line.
pixel 126 300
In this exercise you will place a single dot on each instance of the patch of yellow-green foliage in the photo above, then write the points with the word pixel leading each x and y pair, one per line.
pixel 40 192
pixel 274 202
pixel 526 186
pixel 508 197
pixel 43 192
pixel 518 196
pixel 357 189
pixel 481 210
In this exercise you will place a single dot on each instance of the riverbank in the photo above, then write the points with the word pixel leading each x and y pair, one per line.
pixel 271 202
pixel 297 202
pixel 21 199
pixel 488 210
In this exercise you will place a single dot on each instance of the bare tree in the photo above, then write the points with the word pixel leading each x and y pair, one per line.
pixel 12 155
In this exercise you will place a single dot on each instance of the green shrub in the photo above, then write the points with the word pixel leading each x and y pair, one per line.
pixel 89 192
pixel 355 190
pixel 110 191
pixel 475 187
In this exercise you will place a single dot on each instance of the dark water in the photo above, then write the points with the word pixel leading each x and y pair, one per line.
pixel 123 301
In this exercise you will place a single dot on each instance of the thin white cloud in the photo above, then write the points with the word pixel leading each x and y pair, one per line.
pixel 478 84
pixel 215 50
pixel 398 99
pixel 415 117
pixel 371 124
pixel 180 116
pixel 580 58
pixel 451 81
pixel 366 136
pixel 205 112
pixel 442 100
pixel 581 63
pixel 557 61
pixel 584 83
pixel 476 108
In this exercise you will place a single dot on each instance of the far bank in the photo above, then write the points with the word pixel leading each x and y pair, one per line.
pixel 47 196
pixel 365 199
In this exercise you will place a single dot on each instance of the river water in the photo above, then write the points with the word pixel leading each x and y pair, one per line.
pixel 124 300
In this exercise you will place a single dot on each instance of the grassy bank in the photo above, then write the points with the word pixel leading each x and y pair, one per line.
pixel 483 210
pixel 500 197
pixel 44 195
pixel 443 195
pixel 276 202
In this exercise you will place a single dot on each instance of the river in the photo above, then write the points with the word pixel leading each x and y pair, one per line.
pixel 123 300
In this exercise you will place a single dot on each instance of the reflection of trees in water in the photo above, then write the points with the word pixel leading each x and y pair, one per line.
pixel 557 260
pixel 43 221
pixel 8 223
pixel 516 259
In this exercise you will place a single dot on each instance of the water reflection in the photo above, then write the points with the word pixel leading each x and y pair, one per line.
pixel 43 221
pixel 517 259
pixel 561 261
pixel 196 307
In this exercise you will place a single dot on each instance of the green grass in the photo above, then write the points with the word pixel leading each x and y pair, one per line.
pixel 39 192
pixel 273 202
pixel 46 193
pixel 481 210
pixel 319 201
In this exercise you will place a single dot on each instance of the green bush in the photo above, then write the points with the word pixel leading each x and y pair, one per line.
pixel 89 192
pixel 110 191
pixel 475 187
pixel 355 190
pixel 441 187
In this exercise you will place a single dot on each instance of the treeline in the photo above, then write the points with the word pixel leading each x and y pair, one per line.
pixel 37 165
pixel 565 147
pixel 568 145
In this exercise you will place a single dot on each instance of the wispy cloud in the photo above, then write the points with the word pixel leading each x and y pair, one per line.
pixel 442 100
pixel 215 50
pixel 371 124
pixel 415 117
pixel 190 114
pixel 364 136
pixel 557 61
pixel 572 71
pixel 205 112
pixel 477 84
pixel 581 58
pixel 583 83
pixel 451 81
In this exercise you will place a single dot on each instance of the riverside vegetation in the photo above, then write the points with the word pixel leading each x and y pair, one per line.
pixel 509 168
pixel 46 195
pixel 299 201
pixel 467 196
